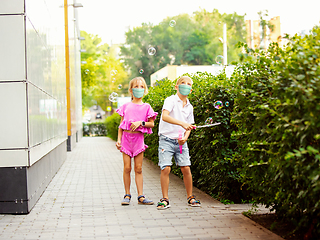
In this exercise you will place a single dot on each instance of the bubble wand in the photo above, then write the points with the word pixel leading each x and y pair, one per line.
pixel 208 125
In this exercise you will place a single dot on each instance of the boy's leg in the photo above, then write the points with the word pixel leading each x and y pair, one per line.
pixel 164 179
pixel 138 173
pixel 126 172
pixel 187 178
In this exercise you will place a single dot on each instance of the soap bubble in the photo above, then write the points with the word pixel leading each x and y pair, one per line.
pixel 120 86
pixel 172 23
pixel 219 59
pixel 208 121
pixel 141 71
pixel 227 104
pixel 113 72
pixel 152 51
pixel 218 104
pixel 113 97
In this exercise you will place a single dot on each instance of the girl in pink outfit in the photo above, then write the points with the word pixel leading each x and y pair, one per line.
pixel 137 118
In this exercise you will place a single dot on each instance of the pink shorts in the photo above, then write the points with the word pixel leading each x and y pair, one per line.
pixel 132 143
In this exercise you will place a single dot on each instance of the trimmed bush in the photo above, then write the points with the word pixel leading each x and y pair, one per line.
pixel 211 149
pixel 94 129
pixel 112 124
pixel 277 112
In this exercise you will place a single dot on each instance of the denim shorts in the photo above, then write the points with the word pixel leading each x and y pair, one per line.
pixel 169 147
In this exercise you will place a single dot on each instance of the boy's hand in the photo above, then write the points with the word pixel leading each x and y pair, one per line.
pixel 118 145
pixel 182 141
pixel 187 126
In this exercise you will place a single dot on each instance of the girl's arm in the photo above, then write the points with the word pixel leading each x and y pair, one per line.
pixel 135 125
pixel 120 131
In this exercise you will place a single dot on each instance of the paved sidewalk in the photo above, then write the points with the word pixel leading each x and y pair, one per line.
pixel 83 202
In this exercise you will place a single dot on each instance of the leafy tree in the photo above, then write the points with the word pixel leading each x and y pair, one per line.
pixel 192 40
pixel 102 73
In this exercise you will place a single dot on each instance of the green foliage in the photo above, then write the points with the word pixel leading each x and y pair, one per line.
pixel 192 41
pixel 101 74
pixel 211 149
pixel 94 129
pixel 112 123
pixel 277 115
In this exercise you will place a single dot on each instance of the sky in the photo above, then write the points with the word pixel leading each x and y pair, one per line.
pixel 110 19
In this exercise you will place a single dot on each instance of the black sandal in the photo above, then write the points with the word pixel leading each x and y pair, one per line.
pixel 195 203
pixel 163 204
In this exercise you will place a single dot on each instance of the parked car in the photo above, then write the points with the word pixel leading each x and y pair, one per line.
pixel 98 116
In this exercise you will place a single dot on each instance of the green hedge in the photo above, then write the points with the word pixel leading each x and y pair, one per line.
pixel 211 149
pixel 94 129
pixel 278 115
pixel 112 124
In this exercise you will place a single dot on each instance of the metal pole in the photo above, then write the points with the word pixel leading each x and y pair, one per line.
pixel 225 57
pixel 67 67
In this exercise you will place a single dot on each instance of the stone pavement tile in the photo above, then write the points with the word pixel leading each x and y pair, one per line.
pixel 83 202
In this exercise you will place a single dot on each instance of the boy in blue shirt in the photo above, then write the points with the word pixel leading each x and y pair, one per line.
pixel 174 129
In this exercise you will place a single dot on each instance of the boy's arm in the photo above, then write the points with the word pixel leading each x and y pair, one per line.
pixel 185 137
pixel 167 118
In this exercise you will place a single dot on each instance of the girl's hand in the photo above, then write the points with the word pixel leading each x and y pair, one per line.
pixel 135 125
pixel 118 145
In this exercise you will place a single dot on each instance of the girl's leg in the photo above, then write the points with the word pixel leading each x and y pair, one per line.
pixel 126 172
pixel 138 173
pixel 187 178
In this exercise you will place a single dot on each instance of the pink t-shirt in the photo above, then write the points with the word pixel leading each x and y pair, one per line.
pixel 132 112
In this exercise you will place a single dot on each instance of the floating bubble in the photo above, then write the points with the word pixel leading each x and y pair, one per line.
pixel 141 71
pixel 227 104
pixel 114 94
pixel 219 59
pixel 152 51
pixel 113 97
pixel 113 72
pixel 208 121
pixel 218 104
pixel 172 23
pixel 120 86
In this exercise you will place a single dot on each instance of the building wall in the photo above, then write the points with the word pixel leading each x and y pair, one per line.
pixel 173 72
pixel 33 121
pixel 254 33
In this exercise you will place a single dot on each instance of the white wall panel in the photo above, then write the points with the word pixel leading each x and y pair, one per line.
pixel 13 121
pixel 11 6
pixel 12 48
pixel 14 158
pixel 37 152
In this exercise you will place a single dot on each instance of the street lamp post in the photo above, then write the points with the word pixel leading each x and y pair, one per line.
pixel 225 56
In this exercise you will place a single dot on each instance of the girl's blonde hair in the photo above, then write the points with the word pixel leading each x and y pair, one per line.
pixel 134 80
pixel 182 78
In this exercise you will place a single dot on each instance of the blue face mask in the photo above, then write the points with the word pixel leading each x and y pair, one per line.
pixel 138 92
pixel 184 89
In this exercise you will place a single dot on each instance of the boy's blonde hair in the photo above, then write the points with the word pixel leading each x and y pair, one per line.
pixel 134 80
pixel 183 78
